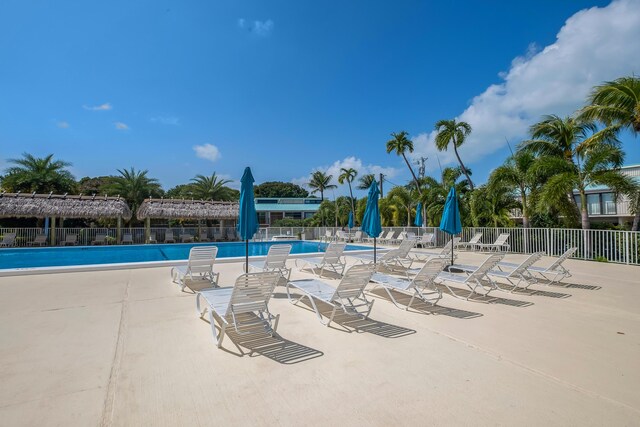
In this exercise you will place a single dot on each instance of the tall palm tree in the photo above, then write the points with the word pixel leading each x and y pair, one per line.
pixel 518 173
pixel 401 199
pixel 436 191
pixel 210 188
pixel 616 102
pixel 400 143
pixel 135 186
pixel 453 133
pixel 577 155
pixel 39 174
pixel 348 175
pixel 491 205
pixel 365 181
pixel 320 181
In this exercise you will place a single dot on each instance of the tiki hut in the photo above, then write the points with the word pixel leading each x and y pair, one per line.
pixel 63 206
pixel 187 209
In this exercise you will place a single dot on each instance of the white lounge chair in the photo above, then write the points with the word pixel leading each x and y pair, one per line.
pixel 471 243
pixel 70 240
pixel 203 237
pixel 200 264
pixel 328 236
pixel 554 273
pixel 168 237
pixel 245 306
pixel 127 239
pixel 332 259
pixel 445 251
pixel 217 235
pixel 421 285
pixel 186 238
pixel 474 280
pixel 101 239
pixel 388 238
pixel 393 259
pixel 152 238
pixel 342 236
pixel 518 272
pixel 499 244
pixel 427 239
pixel 39 240
pixel 357 237
pixel 8 240
pixel 349 295
pixel 276 260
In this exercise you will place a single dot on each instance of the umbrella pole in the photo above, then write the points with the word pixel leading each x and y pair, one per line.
pixel 246 255
pixel 374 250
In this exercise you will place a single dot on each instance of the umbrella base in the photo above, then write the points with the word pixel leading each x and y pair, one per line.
pixel 452 269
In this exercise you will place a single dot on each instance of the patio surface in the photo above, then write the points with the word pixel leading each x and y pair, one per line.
pixel 126 348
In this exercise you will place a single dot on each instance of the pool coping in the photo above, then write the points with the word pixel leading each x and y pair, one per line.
pixel 26 271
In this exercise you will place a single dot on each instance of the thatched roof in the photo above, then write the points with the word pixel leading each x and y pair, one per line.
pixel 62 206
pixel 187 209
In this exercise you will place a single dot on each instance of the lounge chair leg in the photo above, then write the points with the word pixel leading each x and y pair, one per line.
pixel 223 327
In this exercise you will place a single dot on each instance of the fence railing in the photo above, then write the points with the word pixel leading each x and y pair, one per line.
pixel 602 245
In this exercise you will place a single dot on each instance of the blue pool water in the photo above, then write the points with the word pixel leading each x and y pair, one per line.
pixel 87 255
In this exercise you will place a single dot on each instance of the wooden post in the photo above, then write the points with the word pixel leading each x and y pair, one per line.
pixel 147 229
pixel 52 232
pixel 119 231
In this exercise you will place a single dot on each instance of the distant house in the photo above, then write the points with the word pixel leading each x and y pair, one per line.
pixel 272 209
pixel 602 204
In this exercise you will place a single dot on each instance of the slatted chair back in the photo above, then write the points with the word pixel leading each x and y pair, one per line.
pixel 333 253
pixel 502 239
pixel 354 281
pixel 127 238
pixel 8 239
pixel 71 238
pixel 203 236
pixel 528 262
pixel 389 235
pixel 484 268
pixel 201 259
pixel 475 239
pixel 429 272
pixel 562 258
pixel 168 235
pixel 40 239
pixel 427 238
pixel 277 257
pixel 252 292
pixel 405 247
pixel 410 235
pixel 357 236
pixel 100 238
pixel 449 246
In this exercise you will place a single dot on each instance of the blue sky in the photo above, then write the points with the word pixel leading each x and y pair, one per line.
pixel 186 88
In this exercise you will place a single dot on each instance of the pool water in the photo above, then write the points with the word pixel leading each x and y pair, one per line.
pixel 89 255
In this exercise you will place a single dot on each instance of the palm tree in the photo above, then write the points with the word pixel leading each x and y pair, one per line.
pixel 491 205
pixel 454 133
pixel 365 181
pixel 401 144
pixel 210 188
pixel 616 102
pixel 348 175
pixel 435 195
pixel 320 181
pixel 517 172
pixel 135 186
pixel 401 199
pixel 39 174
pixel 577 155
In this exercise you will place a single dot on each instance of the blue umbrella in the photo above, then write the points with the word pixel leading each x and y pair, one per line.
pixel 248 218
pixel 371 220
pixel 450 222
pixel 350 219
pixel 418 221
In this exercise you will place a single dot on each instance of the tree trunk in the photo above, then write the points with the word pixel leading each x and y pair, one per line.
pixel 525 213
pixel 322 195
pixel 415 178
pixel 408 217
pixel 584 212
pixel 464 169
pixel 353 208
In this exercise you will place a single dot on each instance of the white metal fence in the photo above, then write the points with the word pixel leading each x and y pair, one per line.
pixel 603 245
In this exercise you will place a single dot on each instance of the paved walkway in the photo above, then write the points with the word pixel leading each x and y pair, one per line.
pixel 126 348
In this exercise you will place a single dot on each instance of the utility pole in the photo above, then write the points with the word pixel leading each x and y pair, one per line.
pixel 381 179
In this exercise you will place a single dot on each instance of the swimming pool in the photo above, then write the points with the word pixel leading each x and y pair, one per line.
pixel 99 255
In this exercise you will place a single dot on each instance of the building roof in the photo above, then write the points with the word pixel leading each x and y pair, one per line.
pixel 187 209
pixel 287 207
pixel 62 206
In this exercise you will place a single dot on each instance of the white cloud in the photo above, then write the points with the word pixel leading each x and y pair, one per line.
pixel 62 124
pixel 348 162
pixel 121 126
pixel 594 45
pixel 166 120
pixel 207 152
pixel 103 107
pixel 260 28
pixel 235 183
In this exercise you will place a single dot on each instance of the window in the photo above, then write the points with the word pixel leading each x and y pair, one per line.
pixel 609 203
pixel 593 204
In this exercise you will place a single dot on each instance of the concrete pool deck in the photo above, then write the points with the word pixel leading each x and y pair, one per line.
pixel 125 347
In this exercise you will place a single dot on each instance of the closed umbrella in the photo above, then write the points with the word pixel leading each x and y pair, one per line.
pixel 450 222
pixel 247 218
pixel 350 219
pixel 371 220
pixel 418 221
